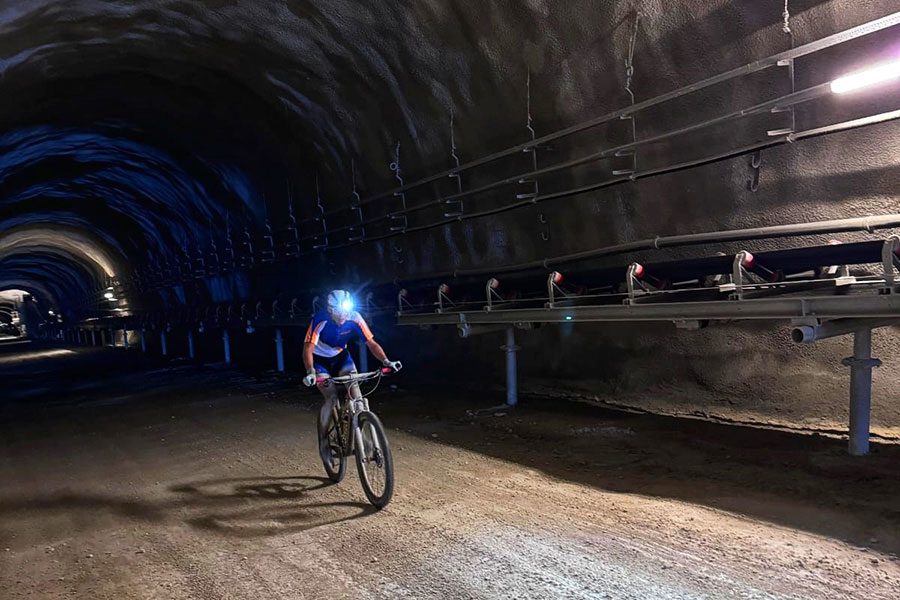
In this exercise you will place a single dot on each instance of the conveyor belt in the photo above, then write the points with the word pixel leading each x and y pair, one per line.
pixel 806 282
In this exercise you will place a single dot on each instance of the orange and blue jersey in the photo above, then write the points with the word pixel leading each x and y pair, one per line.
pixel 330 339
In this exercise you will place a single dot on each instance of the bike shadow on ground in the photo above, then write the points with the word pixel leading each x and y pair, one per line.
pixel 241 507
pixel 277 505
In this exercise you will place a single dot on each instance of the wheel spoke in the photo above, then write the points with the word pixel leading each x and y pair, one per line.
pixel 373 460
pixel 373 466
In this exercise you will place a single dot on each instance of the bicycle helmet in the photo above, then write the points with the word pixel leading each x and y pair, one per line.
pixel 340 303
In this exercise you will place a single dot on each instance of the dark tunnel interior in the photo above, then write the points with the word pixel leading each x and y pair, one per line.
pixel 677 219
pixel 194 154
pixel 196 168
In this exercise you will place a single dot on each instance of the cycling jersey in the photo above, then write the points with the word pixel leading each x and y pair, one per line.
pixel 330 339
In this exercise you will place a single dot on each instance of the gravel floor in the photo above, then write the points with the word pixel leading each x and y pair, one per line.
pixel 186 483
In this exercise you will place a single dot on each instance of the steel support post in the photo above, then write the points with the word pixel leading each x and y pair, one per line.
pixel 363 357
pixel 279 350
pixel 125 338
pixel 112 338
pixel 191 344
pixel 512 392
pixel 226 346
pixel 861 365
pixel 93 337
pixel 162 343
pixel 144 341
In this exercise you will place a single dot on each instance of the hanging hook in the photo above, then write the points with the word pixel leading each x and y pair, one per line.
pixel 532 193
pixel 786 16
pixel 756 165
pixel 395 166
pixel 356 204
pixel 401 220
pixel 528 104
pixel 320 217
pixel 458 209
pixel 629 62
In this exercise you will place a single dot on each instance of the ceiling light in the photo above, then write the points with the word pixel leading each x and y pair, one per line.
pixel 869 77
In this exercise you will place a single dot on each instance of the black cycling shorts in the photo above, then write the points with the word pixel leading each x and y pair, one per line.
pixel 336 365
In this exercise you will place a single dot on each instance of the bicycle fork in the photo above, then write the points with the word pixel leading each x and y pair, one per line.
pixel 359 406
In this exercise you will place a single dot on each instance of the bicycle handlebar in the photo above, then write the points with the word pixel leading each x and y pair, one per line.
pixel 357 377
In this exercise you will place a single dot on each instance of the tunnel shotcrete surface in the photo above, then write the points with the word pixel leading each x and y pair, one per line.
pixel 208 157
pixel 182 181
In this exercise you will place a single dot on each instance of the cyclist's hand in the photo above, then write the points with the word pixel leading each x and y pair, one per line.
pixel 393 365
pixel 310 379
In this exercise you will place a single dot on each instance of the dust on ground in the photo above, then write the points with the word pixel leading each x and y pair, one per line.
pixel 204 483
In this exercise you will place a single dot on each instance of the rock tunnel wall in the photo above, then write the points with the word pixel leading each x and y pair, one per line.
pixel 168 132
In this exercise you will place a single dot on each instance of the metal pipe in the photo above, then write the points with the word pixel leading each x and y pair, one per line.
pixel 144 340
pixel 125 338
pixel 759 65
pixel 162 342
pixel 824 307
pixel 93 337
pixel 190 340
pixel 279 350
pixel 782 102
pixel 870 223
pixel 861 365
pixel 806 334
pixel 770 143
pixel 512 393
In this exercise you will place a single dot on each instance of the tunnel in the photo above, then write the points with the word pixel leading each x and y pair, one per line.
pixel 618 278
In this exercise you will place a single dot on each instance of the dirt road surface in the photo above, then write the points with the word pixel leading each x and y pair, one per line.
pixel 185 483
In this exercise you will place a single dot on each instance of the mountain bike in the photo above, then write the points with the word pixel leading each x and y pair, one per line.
pixel 354 429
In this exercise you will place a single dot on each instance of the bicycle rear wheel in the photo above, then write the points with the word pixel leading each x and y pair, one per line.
pixel 374 461
pixel 338 466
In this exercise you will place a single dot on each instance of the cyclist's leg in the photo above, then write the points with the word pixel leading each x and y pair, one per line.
pixel 330 400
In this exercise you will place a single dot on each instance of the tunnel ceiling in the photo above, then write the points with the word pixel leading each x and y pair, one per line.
pixel 139 139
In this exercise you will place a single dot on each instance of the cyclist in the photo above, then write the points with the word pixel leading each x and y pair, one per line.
pixel 325 353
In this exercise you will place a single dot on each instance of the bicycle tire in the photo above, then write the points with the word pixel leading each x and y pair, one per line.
pixel 368 422
pixel 334 474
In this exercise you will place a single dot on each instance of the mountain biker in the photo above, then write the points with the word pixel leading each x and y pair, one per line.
pixel 325 354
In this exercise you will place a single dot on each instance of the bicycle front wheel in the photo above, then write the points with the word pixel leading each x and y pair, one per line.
pixel 374 461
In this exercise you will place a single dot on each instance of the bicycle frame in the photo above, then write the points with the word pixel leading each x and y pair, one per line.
pixel 356 406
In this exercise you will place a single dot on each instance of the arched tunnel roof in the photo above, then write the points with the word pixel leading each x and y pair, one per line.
pixel 138 137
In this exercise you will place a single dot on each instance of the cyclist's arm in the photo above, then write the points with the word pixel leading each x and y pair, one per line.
pixel 309 342
pixel 376 350
pixel 308 355
pixel 369 337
